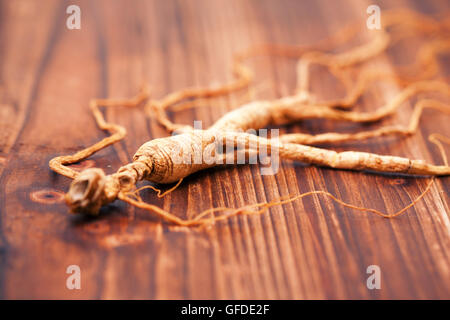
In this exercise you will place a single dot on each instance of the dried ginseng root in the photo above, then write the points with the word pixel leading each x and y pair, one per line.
pixel 170 159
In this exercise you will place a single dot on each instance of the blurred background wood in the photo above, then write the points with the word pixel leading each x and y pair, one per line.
pixel 311 248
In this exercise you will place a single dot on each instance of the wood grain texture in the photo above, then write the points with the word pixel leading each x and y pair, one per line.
pixel 309 249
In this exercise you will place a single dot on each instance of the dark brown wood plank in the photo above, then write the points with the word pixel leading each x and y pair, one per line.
pixel 310 248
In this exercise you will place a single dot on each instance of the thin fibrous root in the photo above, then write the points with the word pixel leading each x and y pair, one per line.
pixel 334 137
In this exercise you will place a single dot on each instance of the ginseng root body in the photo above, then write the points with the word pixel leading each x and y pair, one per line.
pixel 170 159
pixel 167 160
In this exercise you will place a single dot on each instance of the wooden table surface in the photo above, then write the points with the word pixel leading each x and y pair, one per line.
pixel 312 248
